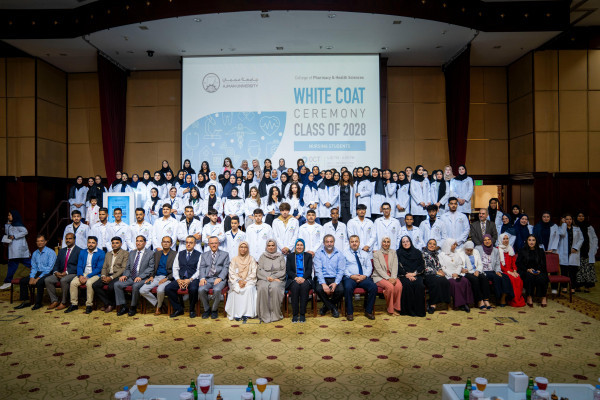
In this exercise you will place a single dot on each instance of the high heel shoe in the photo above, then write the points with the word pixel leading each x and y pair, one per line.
pixel 544 305
pixel 530 304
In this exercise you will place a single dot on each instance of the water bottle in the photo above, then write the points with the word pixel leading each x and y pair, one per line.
pixel 126 389
pixel 597 393
pixel 534 392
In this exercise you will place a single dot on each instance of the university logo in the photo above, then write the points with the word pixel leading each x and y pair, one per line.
pixel 211 82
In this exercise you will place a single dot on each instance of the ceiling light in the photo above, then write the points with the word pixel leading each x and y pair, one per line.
pixel 408 48
pixel 331 15
pixel 232 49
pixel 63 54
pixel 126 38
pixel 384 48
pixel 264 15
pixel 197 20
pixel 438 46
pixel 143 27
pixel 444 32
pixel 129 51
pixel 497 47
pixel 279 48
pixel 183 51
pixel 329 47
pixel 397 22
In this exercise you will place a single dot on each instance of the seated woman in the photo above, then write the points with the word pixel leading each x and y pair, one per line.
pixel 385 276
pixel 531 264
pixel 507 264
pixel 410 270
pixel 241 300
pixel 435 279
pixel 299 267
pixel 270 283
pixel 490 258
pixel 473 271
pixel 452 265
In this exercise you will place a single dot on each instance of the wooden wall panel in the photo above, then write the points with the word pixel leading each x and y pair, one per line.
pixel 2 77
pixel 400 87
pixel 20 80
pixel 476 121
pixel 51 121
pixel 433 154
pixel 52 158
pixel 3 121
pixel 521 151
pixel 477 85
pixel 594 110
pixel 428 85
pixel 594 69
pixel 51 84
pixel 21 156
pixel 401 120
pixel 573 111
pixel 153 124
pixel 496 121
pixel 404 153
pixel 572 69
pixel 573 151
pixel 547 151
pixel 546 111
pixel 594 151
pixel 21 117
pixel 521 116
pixel 83 91
pixel 430 121
pixel 154 88
pixel 3 155
pixel 494 85
pixel 520 80
pixel 545 70
pixel 496 157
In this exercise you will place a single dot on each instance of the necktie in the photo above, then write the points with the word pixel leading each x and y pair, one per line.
pixel 360 270
pixel 187 257
pixel 135 264
pixel 483 227
pixel 213 269
pixel 67 259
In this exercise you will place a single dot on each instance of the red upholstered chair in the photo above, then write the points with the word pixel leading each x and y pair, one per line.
pixel 210 292
pixel 359 291
pixel 286 303
pixel 554 276
pixel 12 284
pixel 180 293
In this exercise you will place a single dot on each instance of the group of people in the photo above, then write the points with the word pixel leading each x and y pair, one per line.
pixel 331 232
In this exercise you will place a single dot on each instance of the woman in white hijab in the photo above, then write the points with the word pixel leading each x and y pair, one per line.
pixel 452 264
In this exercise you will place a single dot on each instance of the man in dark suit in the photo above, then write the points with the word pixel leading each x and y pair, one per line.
pixel 185 275
pixel 483 227
pixel 214 267
pixel 115 263
pixel 161 276
pixel 65 269
pixel 139 267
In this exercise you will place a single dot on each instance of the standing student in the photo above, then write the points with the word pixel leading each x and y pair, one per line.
pixel 165 168
pixel 165 226
pixel 413 232
pixel 461 187
pixel 285 228
pixel 234 237
pixel 175 203
pixel 433 227
pixel 347 201
pixel 522 231
pixel 184 189
pixel 495 213
pixel 362 191
pixel 402 197
pixel 586 275
pixel 140 227
pixel 213 228
pixel 100 229
pixel 159 184
pixel 363 227
pixel 329 197
pixel 547 233
pixel 78 195
pixel 250 204
pixel 189 226
pixel 456 223
pixel 272 204
pixel 257 234
pixel 387 227
pixel 378 196
pixel 211 202
pixel 196 202
pixel 440 191
pixel 569 246
pixel 140 187
pixel 215 183
pixel 311 233
pixel 120 229
pixel 153 206
pixel 115 186
pixel 310 193
pixel 97 190
pixel 89 186
pixel 419 195
pixel 390 188
pixel 295 201
pixel 337 229
pixel 80 230
pixel 233 207
pixel 18 250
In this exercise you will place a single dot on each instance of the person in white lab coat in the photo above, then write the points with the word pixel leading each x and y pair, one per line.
pixel 285 229
pixel 213 228
pixel 461 187
pixel 115 186
pixel 140 190
pixel 329 197
pixel 363 227
pixel 295 201
pixel 100 229
pixel 234 206
pixel 312 233
pixel 77 196
pixel 234 237
pixel 546 233
pixel 495 213
pixel 456 223
pixel 402 197
pixel 337 229
pixel 189 226
pixel 508 227
pixel 184 189
pixel 310 193
pixel 140 227
pixel 170 180
pixel 159 184
pixel 258 233
pixel 175 203
pixel 569 246
pixel 586 276
pixel 119 229
pixel 439 191
pixel 79 229
pixel 153 206
pixel 433 227
pixel 272 204
pixel 413 232
pixel 165 226
pixel 363 189
pixel 387 227
pixel 347 200
pixel 196 202
pixel 419 196
pixel 252 202
pixel 378 194
pixel 213 182
pixel 390 189
pixel 18 251
pixel 211 202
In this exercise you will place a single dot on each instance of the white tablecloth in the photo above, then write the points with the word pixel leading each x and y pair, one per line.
pixel 570 390
pixel 228 392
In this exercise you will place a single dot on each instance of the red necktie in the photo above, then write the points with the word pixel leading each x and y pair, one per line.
pixel 67 259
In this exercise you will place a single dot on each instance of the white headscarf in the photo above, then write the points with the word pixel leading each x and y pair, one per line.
pixel 447 246
pixel 505 249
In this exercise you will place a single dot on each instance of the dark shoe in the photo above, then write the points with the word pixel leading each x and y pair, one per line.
pixel 431 310
pixel 124 310
pixel 335 313
pixel 482 307
pixel 108 309
pixel 502 305
pixel 488 308
pixel 467 308
pixel 302 319
pixel 294 319
pixel 132 312
pixel 192 314
pixel 244 319
pixel 350 317
pixel 237 319
pixel 530 304
pixel 205 314
pixel 72 308
pixel 176 314
pixel 88 309
pixel 36 307
pixel 53 305
pixel 544 305
pixel 214 315
pixel 370 316
pixel 22 305
pixel 323 311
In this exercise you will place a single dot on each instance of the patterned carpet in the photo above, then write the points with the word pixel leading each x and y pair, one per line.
pixel 48 354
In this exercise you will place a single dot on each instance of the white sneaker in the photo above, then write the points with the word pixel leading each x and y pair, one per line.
pixel 554 291
pixel 5 286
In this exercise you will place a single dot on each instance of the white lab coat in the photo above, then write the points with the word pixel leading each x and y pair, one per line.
pixel 162 228
pixel 198 207
pixel 121 230
pixel 214 230
pixel 218 188
pixel 177 207
pixel 217 206
pixel 402 200
pixel 566 258
pixel 433 196
pixel 148 209
pixel 18 248
pixel 136 230
pixel 232 244
pixel 80 196
pixel 234 206
pixel 364 229
pixel 312 236
pixel 183 232
pixel 457 226
pixel 390 195
pixel 462 190
pixel 274 206
pixel 468 265
pixel 311 196
pixel 415 235
pixel 328 195
pixel 387 228
pixel 593 245
pixel 99 230
pixel 377 200
pixel 419 193
pixel 80 237
pixel 91 215
pixel 554 239
pixel 365 190
pixel 340 234
pixel 257 236
pixel 285 235
pixel 140 194
pixel 498 223
pixel 162 190
pixel 117 188
pixel 294 203
pixel 250 205
pixel 437 231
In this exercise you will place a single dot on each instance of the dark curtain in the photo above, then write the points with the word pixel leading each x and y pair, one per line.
pixel 458 95
pixel 112 82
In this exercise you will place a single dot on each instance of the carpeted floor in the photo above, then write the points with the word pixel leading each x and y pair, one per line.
pixel 50 355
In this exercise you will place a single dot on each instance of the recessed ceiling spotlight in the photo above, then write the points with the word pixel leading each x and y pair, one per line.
pixel 63 54
pixel 438 46
pixel 129 51
pixel 397 22
pixel 126 38
pixel 444 32
pixel 183 51
pixel 384 48
pixel 278 47
pixel 329 47
pixel 197 20
pixel 264 15
pixel 143 27
pixel 331 15
pixel 408 48
pixel 497 47
pixel 232 49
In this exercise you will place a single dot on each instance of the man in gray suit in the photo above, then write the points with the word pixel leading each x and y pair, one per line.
pixel 139 267
pixel 483 227
pixel 214 266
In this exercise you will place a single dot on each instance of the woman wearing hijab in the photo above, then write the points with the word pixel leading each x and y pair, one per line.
pixel 272 203
pixel 461 187
pixel 569 250
pixel 125 184
pixel 250 204
pixel 316 174
pixel 299 267
pixel 531 264
pixel 213 182
pixel 201 184
pixel 89 186
pixel 310 193
pixel 184 189
pixel 284 181
pixel 363 189
pixel 187 167
pixel 282 167
pixel 546 233
pixel 241 299
pixel 196 202
pixel 434 277
pixel 390 188
pixel 347 202
pixel 440 191
pixel 490 259
pixel 495 213
pixel 249 183
pixel 473 271
pixel 233 206
pixel 270 283
pixel 224 179
pixel 385 276
pixel 77 197
pixel 411 267
pixel 419 196
pixel 522 230
pixel 211 202
pixel 402 197
pixel 448 174
pixel 515 213
pixel 586 276
pixel 266 183
pixel 18 251
pixel 453 264
pixel 378 194
pixel 180 180
pixel 170 181
pixel 336 177
pixel 509 228
pixel 329 197
pixel 165 168
pixel 97 191
pixel 230 184
pixel 115 186
pixel 153 206
pixel 509 268
pixel 159 184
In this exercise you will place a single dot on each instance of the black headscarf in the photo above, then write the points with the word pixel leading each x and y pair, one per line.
pixel 262 186
pixel 181 181
pixel 285 183
pixel 116 181
pixel 416 176
pixel 159 182
pixel 325 183
pixel 146 181
pixel 358 179
pixel 402 182
pixel 584 226
pixel 442 189
pixel 521 233
pixel 17 220
pixel 247 182
pixel 172 180
pixel 493 212
pixel 154 199
pixel 231 196
pixel 541 231
pixel 166 169
pixel 411 259
pixel 379 182
pixel 75 187
pixel 462 177
pixel 189 170
pixel 202 183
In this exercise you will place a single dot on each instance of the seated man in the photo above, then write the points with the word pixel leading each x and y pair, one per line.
pixel 42 262
pixel 89 266
pixel 139 267
pixel 115 263
pixel 214 266
pixel 329 266
pixel 185 275
pixel 358 274
pixel 65 269
pixel 161 276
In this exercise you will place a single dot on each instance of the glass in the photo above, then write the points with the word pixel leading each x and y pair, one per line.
pixel 261 385
pixel 481 383
pixel 186 396
pixel 541 382
pixel 142 385
pixel 122 395
pixel 204 386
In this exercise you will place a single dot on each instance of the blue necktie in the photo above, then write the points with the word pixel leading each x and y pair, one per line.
pixel 360 271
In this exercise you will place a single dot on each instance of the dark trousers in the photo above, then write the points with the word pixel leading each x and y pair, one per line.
pixel 171 292
pixel 368 285
pixel 13 265
pixel 330 302
pixel 107 297
pixel 345 214
pixel 571 272
pixel 418 219
pixel 38 287
pixel 501 285
pixel 374 217
pixel 269 218
pixel 324 220
pixel 299 296
pixel 480 286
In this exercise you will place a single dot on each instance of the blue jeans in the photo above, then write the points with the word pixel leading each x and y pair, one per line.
pixel 13 265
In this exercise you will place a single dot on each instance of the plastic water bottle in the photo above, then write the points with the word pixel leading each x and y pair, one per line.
pixel 534 392
pixel 597 392
pixel 126 389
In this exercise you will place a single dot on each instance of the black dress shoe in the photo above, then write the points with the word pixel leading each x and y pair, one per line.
pixel 323 311
pixel 294 319
pixel 467 308
pixel 72 308
pixel 350 317
pixel 36 307
pixel 88 309
pixel 176 314
pixel 431 310
pixel 335 313
pixel 132 312
pixel 369 316
pixel 192 314
pixel 22 305
pixel 124 310
pixel 302 319
pixel 205 314
pixel 214 315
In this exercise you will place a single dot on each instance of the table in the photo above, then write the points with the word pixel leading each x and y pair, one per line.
pixel 228 392
pixel 572 391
